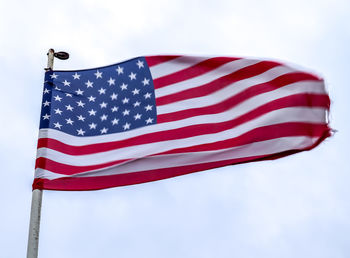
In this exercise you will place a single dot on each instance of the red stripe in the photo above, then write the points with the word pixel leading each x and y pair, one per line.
pixel 154 60
pixel 64 169
pixel 255 135
pixel 103 182
pixel 222 82
pixel 238 75
pixel 232 101
pixel 193 71
pixel 190 131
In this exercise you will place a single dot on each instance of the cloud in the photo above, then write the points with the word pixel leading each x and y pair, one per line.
pixel 293 207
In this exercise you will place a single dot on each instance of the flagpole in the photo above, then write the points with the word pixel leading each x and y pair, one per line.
pixel 34 225
pixel 37 194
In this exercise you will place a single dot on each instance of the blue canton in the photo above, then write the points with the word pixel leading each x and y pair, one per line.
pixel 105 100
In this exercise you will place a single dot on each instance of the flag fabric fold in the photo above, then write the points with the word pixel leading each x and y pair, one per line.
pixel 156 117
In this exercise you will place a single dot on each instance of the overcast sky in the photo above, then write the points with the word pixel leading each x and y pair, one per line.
pixel 298 206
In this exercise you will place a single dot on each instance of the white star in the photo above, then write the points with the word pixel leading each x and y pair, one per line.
pixel 104 130
pixel 114 96
pixel 46 103
pixel 69 107
pixel 120 70
pixel 102 91
pixel 111 81
pixel 79 92
pixel 135 91
pixel 145 82
pixel 69 121
pixel 103 105
pixel 46 116
pixel 92 112
pixel 137 116
pixel 125 100
pixel 147 95
pixel 132 76
pixel 66 83
pixel 114 109
pixel 126 112
pixel 89 84
pixel 137 104
pixel 54 76
pixel 124 86
pixel 98 74
pixel 80 131
pixel 115 121
pixel 81 118
pixel 80 103
pixel 58 98
pixel 126 126
pixel 139 64
pixel 91 98
pixel 56 88
pixel 92 126
pixel 69 95
pixel 58 111
pixel 103 117
pixel 149 121
pixel 76 76
pixel 148 107
pixel 57 125
pixel 46 91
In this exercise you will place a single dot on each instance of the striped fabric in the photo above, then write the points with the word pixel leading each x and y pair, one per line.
pixel 211 112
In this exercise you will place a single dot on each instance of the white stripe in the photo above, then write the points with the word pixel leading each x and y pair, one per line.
pixel 176 160
pixel 315 115
pixel 175 65
pixel 240 109
pixel 208 77
pixel 249 104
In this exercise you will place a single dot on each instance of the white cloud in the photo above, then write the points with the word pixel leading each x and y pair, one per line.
pixel 293 207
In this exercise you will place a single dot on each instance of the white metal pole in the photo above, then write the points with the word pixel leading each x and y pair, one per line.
pixel 50 58
pixel 37 196
pixel 34 225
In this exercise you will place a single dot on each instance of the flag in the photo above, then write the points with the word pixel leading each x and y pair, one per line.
pixel 156 117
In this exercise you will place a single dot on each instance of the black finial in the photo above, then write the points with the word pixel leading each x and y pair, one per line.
pixel 61 55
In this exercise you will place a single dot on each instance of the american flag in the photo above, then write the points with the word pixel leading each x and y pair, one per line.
pixel 156 117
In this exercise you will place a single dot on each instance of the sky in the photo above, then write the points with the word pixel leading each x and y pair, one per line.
pixel 297 206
